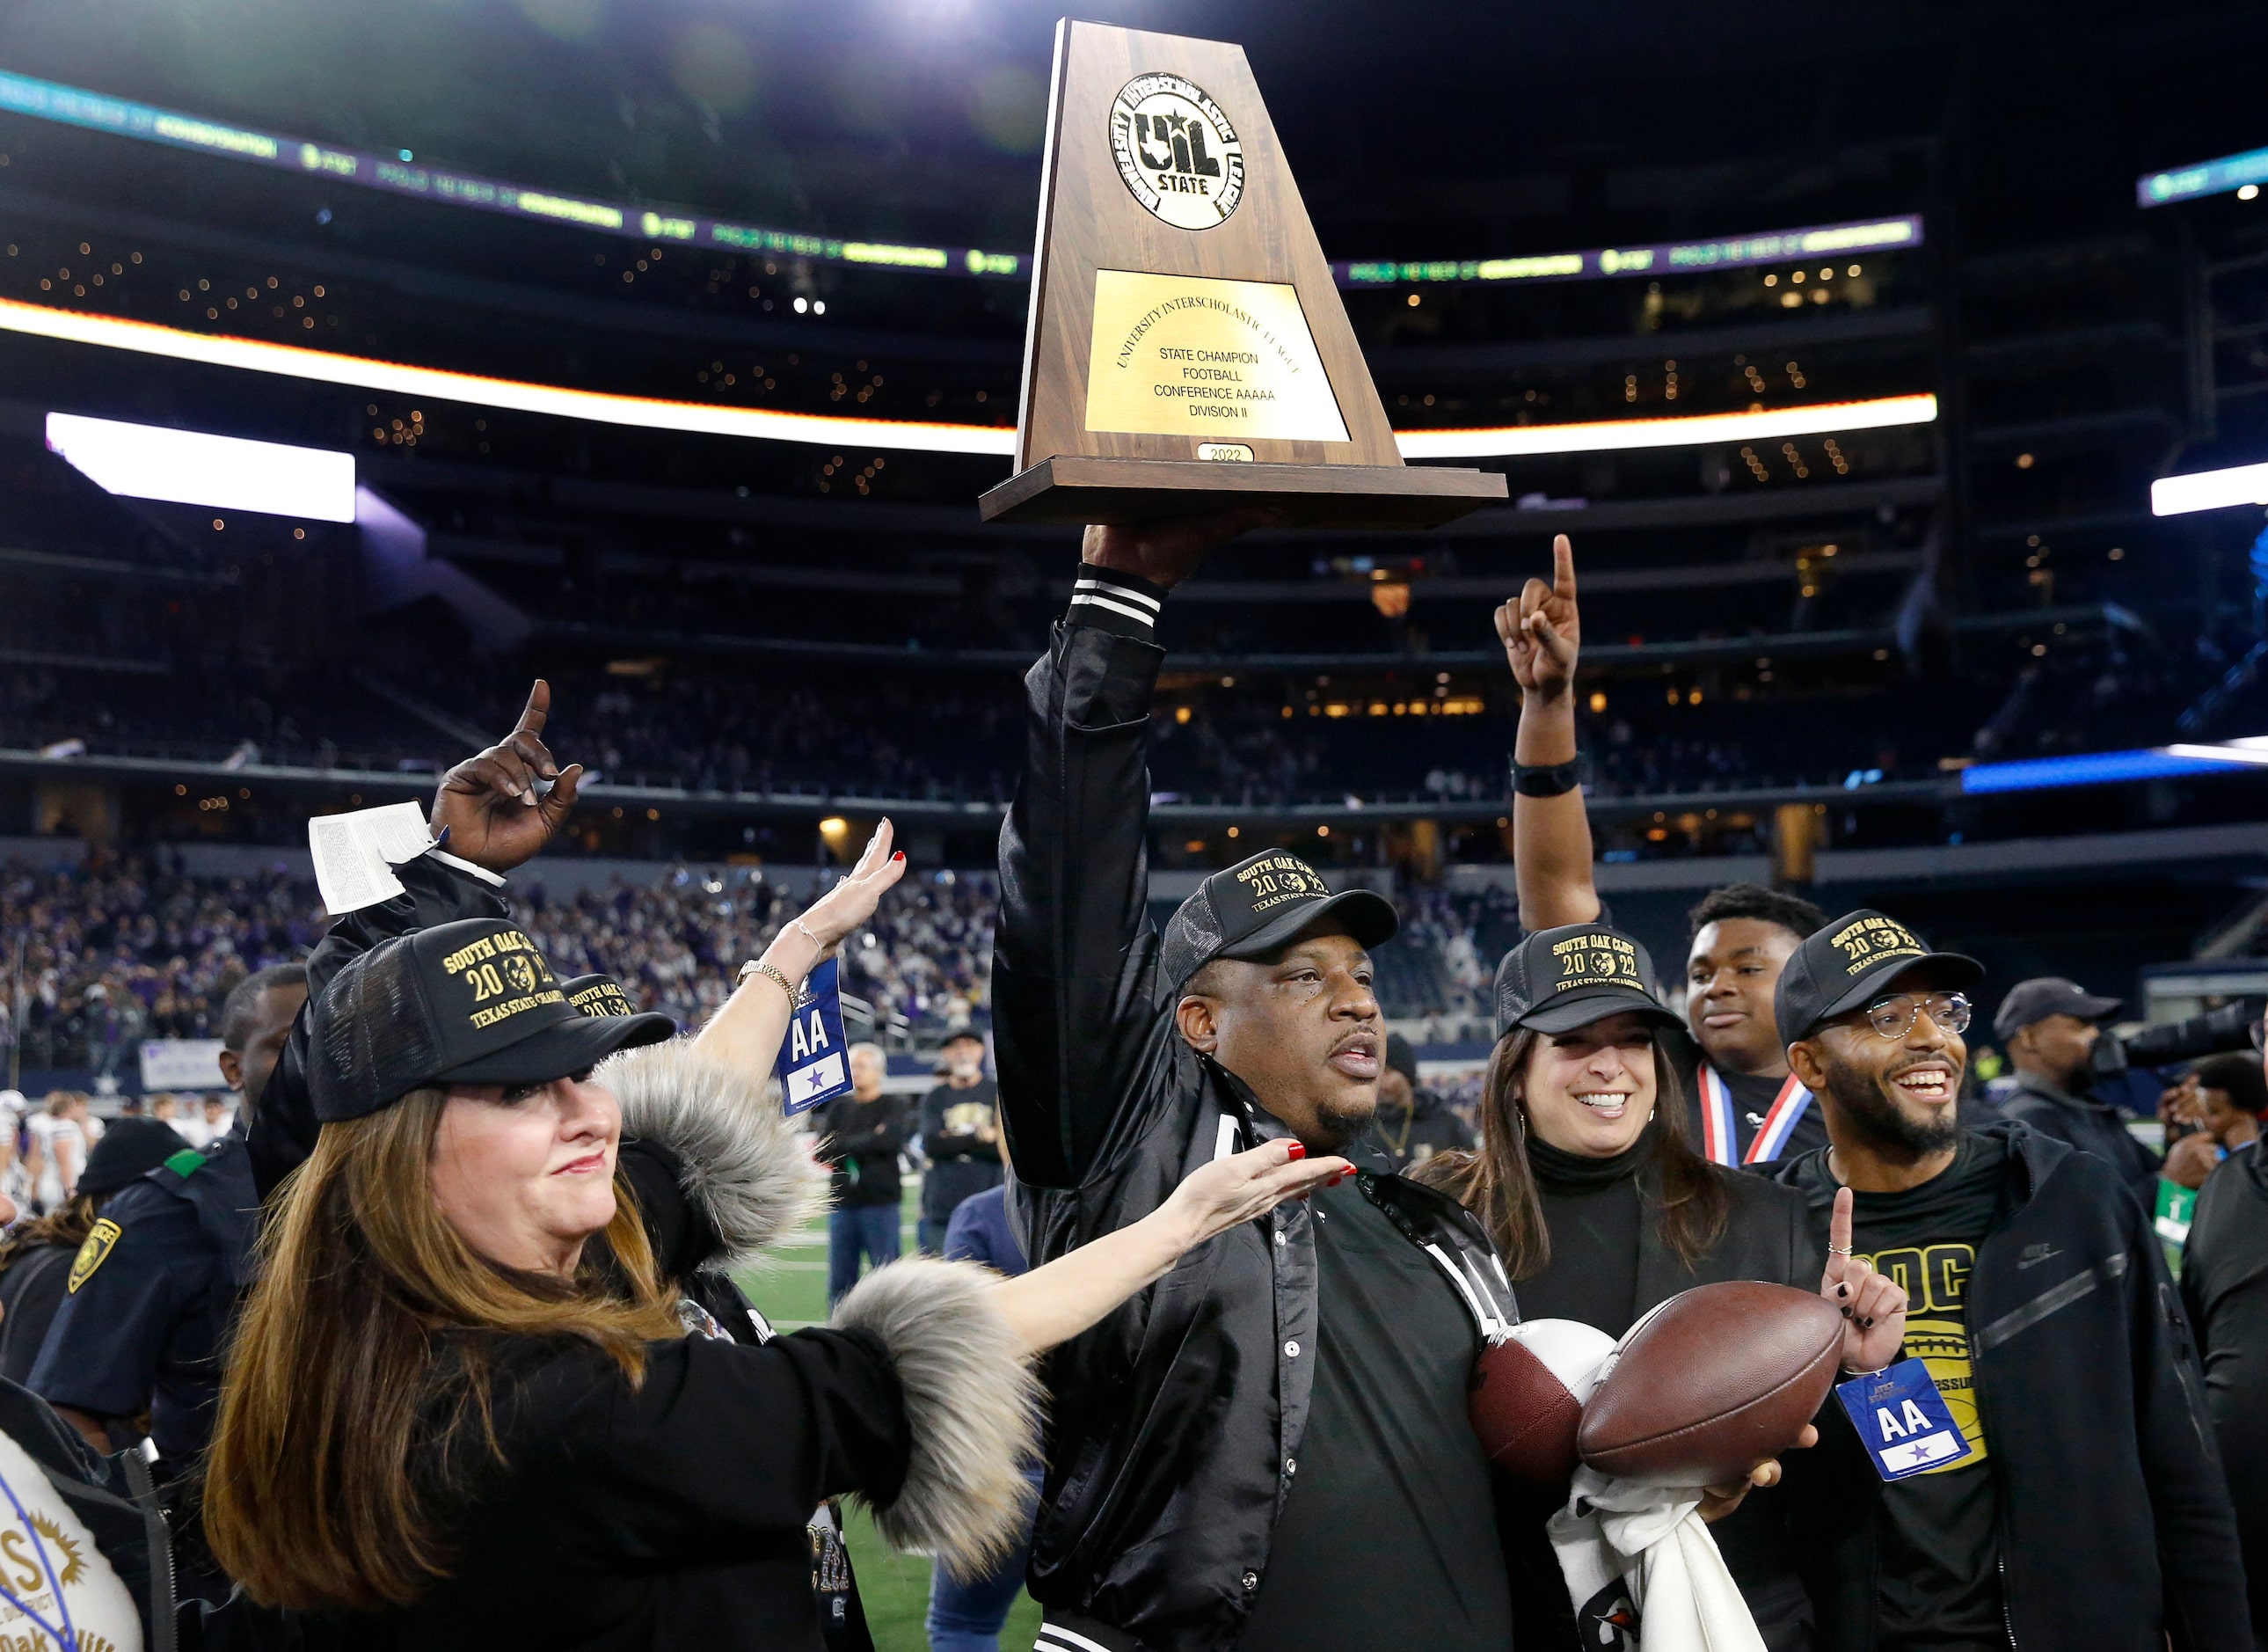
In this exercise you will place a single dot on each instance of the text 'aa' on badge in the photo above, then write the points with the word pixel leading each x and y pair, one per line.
pixel 1907 1426
pixel 92 1254
pixel 1176 151
pixel 814 1058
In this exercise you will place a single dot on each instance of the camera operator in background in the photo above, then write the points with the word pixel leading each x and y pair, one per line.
pixel 2048 1027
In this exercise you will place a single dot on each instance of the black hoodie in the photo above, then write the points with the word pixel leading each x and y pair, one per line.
pixel 2116 1528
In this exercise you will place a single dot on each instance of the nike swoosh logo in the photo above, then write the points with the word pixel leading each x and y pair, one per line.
pixel 2031 1261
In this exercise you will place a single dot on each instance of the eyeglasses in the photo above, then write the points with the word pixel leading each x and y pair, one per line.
pixel 1894 1015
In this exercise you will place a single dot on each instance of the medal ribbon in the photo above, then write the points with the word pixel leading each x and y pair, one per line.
pixel 1720 1133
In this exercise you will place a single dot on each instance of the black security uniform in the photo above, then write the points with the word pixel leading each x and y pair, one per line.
pixel 149 1297
pixel 1291 1397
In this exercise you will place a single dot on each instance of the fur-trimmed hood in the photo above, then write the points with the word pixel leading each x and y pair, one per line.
pixel 739 1163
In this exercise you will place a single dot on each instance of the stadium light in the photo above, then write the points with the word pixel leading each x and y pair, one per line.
pixel 225 473
pixel 1693 431
pixel 2209 491
pixel 826 430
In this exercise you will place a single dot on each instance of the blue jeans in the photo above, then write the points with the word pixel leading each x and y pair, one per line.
pixel 851 1228
pixel 967 1616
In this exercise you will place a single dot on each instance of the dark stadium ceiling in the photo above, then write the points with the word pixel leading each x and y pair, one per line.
pixel 1417 129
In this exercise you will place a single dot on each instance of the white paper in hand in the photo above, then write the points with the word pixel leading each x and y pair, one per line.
pixel 355 853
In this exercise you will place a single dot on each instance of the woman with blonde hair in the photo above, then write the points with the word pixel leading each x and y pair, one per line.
pixel 466 1406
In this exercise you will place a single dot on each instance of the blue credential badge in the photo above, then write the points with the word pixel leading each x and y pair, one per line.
pixel 1905 1422
pixel 814 1058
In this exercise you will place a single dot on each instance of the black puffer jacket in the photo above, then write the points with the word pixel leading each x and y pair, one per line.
pixel 2116 1530
pixel 1173 1419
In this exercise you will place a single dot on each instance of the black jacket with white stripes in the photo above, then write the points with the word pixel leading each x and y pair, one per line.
pixel 1172 1421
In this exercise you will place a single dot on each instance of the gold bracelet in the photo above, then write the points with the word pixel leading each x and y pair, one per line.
pixel 757 966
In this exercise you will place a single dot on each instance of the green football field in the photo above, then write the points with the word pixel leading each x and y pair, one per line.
pixel 894 1586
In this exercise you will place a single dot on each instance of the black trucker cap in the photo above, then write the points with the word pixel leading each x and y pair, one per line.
pixel 2047 995
pixel 1556 980
pixel 471 1002
pixel 1260 905
pixel 1852 959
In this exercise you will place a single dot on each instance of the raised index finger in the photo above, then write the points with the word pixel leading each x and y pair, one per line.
pixel 1839 1230
pixel 1563 567
pixel 539 710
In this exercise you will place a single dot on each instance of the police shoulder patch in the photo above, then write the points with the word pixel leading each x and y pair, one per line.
pixel 92 1254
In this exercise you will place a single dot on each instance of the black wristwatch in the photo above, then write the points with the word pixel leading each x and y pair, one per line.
pixel 1549 779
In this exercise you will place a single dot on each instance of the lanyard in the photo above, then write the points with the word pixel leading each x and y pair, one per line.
pixel 1720 1134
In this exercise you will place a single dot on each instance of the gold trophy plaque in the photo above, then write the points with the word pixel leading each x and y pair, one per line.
pixel 1186 351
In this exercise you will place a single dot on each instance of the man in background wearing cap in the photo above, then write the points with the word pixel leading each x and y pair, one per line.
pixel 2091 1511
pixel 1268 1448
pixel 1413 1123
pixel 2049 1026
pixel 959 1136
pixel 151 1291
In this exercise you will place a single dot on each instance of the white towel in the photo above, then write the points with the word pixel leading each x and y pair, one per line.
pixel 1643 1571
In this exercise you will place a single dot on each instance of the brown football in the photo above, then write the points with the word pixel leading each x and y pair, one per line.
pixel 1521 1405
pixel 1711 1383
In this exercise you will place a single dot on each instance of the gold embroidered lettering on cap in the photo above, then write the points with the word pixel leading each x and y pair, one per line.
pixel 496 1013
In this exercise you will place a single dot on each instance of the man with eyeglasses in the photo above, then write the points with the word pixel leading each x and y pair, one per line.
pixel 2091 1510
pixel 2048 1027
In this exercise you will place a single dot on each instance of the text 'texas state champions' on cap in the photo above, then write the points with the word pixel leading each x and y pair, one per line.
pixel 1556 980
pixel 471 1002
pixel 1854 961
pixel 1261 905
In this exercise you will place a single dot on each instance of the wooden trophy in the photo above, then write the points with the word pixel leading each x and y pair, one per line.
pixel 1186 351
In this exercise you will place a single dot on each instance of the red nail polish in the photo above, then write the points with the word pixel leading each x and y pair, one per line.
pixel 899 855
pixel 1299 1150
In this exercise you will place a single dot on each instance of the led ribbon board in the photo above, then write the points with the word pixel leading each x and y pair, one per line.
pixel 2206 177
pixel 643 221
pixel 323 366
pixel 1663 258
pixel 398 173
